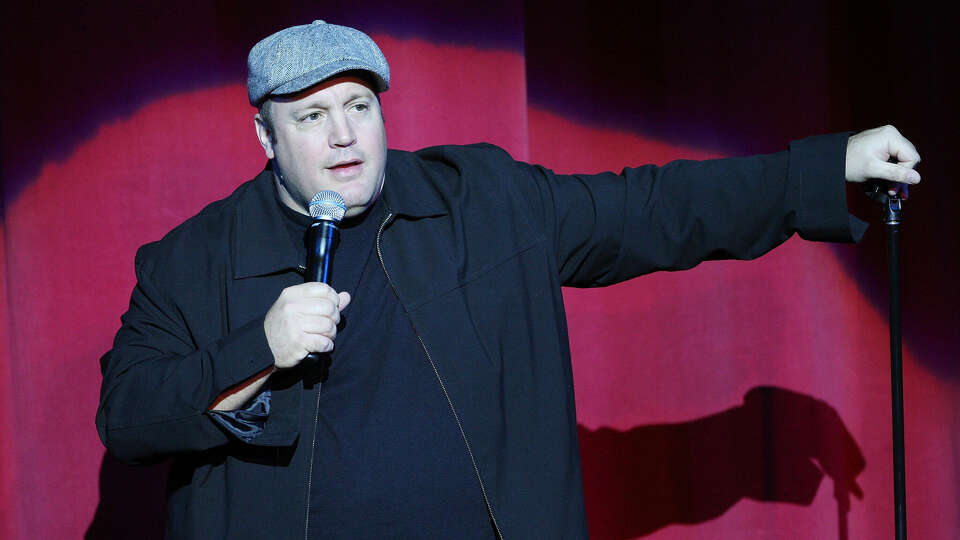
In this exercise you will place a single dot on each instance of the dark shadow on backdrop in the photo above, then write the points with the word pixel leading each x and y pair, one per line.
pixel 900 72
pixel 749 77
pixel 776 447
pixel 132 502
pixel 742 78
pixel 79 65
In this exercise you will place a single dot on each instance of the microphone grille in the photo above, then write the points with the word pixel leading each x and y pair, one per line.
pixel 328 205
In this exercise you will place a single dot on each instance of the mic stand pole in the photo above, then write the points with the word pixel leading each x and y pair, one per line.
pixel 892 215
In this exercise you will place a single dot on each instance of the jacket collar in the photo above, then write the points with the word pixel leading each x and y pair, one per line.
pixel 410 188
pixel 261 244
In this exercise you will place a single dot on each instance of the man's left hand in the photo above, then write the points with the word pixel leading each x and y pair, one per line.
pixel 882 154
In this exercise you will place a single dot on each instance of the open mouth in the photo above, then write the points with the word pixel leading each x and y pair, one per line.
pixel 345 165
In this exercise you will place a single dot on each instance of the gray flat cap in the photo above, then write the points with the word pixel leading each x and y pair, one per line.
pixel 301 56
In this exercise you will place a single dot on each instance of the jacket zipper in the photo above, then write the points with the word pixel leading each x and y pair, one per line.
pixel 443 386
pixel 313 447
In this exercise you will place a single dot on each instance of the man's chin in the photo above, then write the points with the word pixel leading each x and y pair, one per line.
pixel 358 203
pixel 355 210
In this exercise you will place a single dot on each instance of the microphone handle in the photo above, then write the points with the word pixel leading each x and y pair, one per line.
pixel 322 238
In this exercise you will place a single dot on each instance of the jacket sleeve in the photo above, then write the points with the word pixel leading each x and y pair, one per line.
pixel 608 228
pixel 158 383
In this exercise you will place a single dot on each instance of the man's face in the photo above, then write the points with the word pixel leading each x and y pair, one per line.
pixel 328 136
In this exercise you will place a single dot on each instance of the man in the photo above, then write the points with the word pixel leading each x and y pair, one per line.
pixel 443 404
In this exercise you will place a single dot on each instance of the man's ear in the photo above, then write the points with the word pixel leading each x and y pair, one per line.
pixel 264 134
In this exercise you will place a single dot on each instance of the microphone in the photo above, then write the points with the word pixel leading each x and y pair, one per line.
pixel 326 208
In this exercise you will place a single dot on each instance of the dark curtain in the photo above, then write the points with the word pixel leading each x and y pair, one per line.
pixel 733 400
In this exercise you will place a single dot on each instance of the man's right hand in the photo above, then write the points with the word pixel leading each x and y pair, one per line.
pixel 303 320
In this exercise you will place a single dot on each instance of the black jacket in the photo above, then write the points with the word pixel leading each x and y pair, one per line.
pixel 477 247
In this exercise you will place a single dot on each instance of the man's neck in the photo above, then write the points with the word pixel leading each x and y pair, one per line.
pixel 288 199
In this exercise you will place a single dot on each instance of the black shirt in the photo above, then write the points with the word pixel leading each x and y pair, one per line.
pixel 389 461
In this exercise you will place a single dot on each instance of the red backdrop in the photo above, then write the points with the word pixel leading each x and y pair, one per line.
pixel 735 400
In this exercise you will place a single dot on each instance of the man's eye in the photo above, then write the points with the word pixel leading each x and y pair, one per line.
pixel 312 117
pixel 360 107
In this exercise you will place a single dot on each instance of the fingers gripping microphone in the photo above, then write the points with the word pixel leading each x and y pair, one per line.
pixel 327 208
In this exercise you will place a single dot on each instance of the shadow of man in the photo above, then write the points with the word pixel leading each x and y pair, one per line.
pixel 776 447
pixel 132 502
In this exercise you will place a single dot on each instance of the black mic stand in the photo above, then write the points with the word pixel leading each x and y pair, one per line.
pixel 892 217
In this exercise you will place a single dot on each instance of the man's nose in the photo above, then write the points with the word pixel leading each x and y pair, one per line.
pixel 342 133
